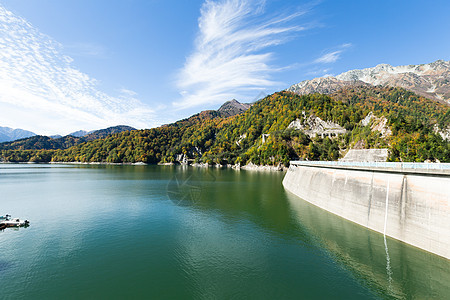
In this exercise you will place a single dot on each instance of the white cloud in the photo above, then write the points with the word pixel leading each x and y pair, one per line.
pixel 41 91
pixel 333 56
pixel 127 92
pixel 329 57
pixel 229 60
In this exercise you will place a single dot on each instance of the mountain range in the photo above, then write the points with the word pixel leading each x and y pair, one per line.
pixel 26 140
pixel 39 142
pixel 9 134
pixel 318 119
pixel 428 80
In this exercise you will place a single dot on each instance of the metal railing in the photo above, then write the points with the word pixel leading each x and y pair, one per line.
pixel 385 165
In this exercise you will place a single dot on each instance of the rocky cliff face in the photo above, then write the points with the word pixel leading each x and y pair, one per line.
pixel 429 80
pixel 377 124
pixel 444 133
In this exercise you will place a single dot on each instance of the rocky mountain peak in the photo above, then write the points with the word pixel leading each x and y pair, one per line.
pixel 429 80
pixel 323 85
pixel 232 108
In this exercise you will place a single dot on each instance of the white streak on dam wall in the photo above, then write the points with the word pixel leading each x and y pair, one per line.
pixel 418 212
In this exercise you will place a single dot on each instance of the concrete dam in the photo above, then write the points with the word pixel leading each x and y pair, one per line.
pixel 406 201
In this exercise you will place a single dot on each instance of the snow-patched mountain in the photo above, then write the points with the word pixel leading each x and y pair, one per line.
pixel 429 80
pixel 323 85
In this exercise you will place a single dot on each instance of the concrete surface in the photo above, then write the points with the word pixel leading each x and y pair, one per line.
pixel 411 207
pixel 366 155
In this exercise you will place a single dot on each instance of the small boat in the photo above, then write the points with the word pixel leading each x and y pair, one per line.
pixel 14 222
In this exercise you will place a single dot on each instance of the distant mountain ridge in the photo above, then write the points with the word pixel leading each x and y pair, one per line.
pixel 428 80
pixel 9 134
pixel 80 133
pixel 39 142
pixel 102 133
pixel 228 109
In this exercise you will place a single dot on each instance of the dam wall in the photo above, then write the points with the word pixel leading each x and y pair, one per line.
pixel 409 204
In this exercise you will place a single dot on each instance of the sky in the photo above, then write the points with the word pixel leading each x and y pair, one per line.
pixel 68 65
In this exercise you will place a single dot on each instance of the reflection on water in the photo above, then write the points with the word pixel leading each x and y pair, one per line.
pixel 183 232
pixel 388 266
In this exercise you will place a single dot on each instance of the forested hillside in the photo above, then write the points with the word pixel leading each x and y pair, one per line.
pixel 39 142
pixel 261 134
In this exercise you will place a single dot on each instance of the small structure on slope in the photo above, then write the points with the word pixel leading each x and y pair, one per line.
pixel 366 155
pixel 313 126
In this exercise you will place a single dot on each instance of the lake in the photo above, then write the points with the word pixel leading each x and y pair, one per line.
pixel 164 232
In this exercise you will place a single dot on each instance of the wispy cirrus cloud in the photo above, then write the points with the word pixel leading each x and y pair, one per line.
pixel 321 66
pixel 333 56
pixel 329 57
pixel 231 57
pixel 40 90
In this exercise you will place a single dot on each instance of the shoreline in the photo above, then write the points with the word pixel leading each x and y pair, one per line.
pixel 248 167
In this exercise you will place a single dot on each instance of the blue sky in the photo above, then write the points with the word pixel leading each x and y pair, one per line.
pixel 77 64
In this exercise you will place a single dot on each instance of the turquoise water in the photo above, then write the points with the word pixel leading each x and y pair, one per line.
pixel 180 232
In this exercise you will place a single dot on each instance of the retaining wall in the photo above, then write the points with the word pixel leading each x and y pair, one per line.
pixel 413 208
